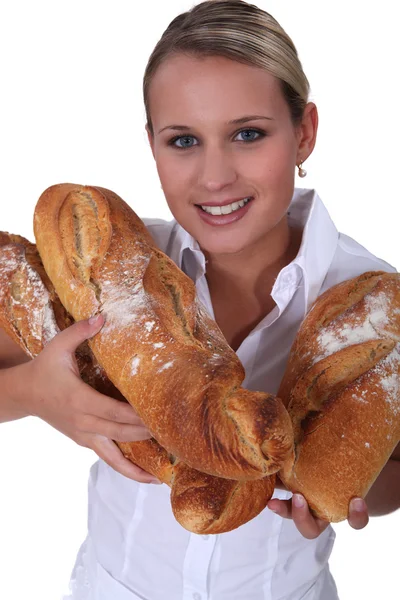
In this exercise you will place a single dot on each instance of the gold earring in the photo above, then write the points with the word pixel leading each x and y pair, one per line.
pixel 301 172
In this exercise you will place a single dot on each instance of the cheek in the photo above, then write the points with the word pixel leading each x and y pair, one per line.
pixel 282 160
pixel 169 172
pixel 274 166
pixel 173 181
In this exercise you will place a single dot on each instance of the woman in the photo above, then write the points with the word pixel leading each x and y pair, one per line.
pixel 229 122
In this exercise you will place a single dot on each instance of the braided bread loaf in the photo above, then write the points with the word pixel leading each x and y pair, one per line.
pixel 32 314
pixel 158 345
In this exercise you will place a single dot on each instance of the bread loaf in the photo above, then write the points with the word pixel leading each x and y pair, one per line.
pixel 158 345
pixel 31 313
pixel 342 389
pixel 30 310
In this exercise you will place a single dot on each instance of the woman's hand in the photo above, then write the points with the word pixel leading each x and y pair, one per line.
pixel 310 527
pixel 49 386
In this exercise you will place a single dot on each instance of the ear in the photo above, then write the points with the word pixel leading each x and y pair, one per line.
pixel 151 139
pixel 307 132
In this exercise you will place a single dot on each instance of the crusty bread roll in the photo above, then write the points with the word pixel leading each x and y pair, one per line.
pixel 158 346
pixel 342 389
pixel 32 314
pixel 30 310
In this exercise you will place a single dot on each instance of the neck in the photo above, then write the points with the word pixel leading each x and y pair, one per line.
pixel 240 284
pixel 253 270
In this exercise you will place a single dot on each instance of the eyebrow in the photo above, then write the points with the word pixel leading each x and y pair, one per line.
pixel 233 122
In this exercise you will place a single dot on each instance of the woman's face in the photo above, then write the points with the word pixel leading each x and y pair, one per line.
pixel 223 143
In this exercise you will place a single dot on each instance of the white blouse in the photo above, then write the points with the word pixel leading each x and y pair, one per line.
pixel 135 549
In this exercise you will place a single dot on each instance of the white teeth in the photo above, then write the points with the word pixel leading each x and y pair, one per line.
pixel 214 210
pixel 225 210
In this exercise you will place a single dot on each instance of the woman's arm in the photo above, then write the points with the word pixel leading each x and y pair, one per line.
pixel 384 495
pixel 10 408
pixel 11 356
pixel 10 353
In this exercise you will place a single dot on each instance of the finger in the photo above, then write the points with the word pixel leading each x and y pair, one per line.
pixel 309 526
pixel 283 508
pixel 358 513
pixel 71 337
pixel 98 404
pixel 111 454
pixel 297 509
pixel 114 431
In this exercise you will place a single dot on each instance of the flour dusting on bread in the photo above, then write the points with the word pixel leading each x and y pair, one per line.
pixel 342 388
pixel 344 332
pixel 25 290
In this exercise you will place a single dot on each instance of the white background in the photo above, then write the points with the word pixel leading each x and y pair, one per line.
pixel 71 110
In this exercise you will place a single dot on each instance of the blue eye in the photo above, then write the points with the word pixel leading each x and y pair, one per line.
pixel 187 141
pixel 250 135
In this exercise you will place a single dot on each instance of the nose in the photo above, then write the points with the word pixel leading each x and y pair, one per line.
pixel 217 169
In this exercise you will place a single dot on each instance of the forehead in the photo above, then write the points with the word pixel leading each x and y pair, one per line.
pixel 191 88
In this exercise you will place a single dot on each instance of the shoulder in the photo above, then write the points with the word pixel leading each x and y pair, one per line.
pixel 350 260
pixel 162 232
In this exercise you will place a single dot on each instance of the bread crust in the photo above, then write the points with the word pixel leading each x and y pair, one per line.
pixel 158 345
pixel 201 503
pixel 342 389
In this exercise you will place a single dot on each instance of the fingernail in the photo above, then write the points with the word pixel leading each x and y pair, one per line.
pixel 298 500
pixel 94 319
pixel 156 481
pixel 357 504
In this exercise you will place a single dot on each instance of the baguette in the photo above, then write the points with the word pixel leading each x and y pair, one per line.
pixel 158 345
pixel 29 305
pixel 30 310
pixel 342 389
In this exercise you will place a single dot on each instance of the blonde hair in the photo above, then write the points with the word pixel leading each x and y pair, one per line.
pixel 238 31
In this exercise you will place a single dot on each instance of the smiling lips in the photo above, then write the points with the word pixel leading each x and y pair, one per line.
pixel 227 209
pixel 224 214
